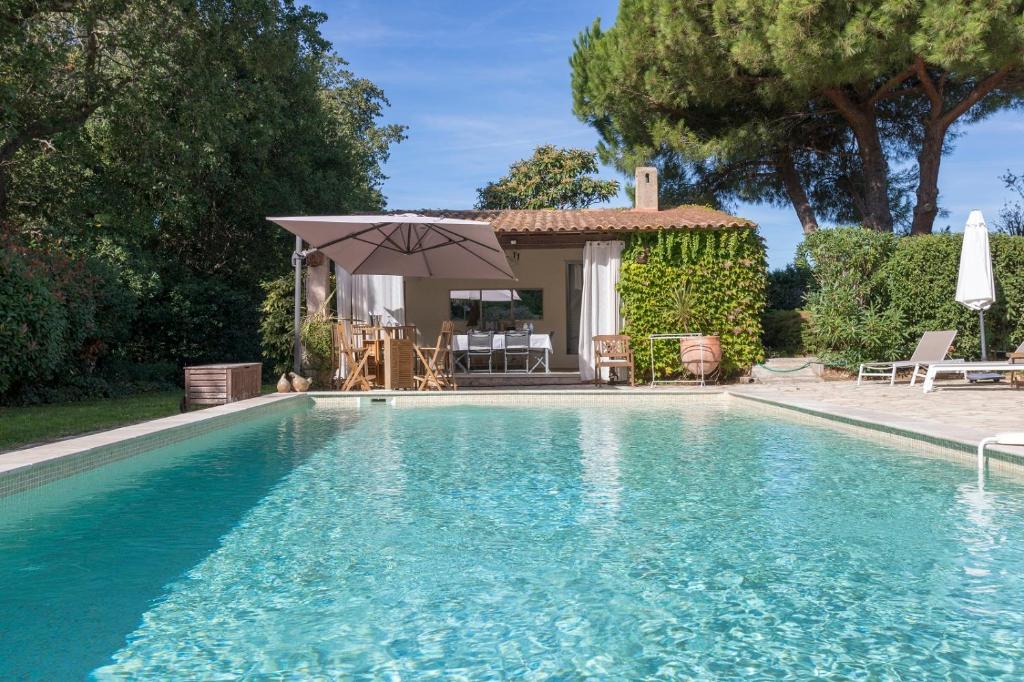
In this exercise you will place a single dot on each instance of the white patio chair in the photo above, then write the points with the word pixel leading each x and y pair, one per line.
pixel 932 348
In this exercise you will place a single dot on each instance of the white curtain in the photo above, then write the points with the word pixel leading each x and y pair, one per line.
pixel 360 296
pixel 599 311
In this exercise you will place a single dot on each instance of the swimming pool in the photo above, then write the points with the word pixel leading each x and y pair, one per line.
pixel 694 539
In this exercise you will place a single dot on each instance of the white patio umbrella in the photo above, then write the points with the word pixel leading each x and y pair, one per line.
pixel 975 286
pixel 409 245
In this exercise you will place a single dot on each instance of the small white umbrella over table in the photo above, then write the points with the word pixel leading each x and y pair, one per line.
pixel 975 286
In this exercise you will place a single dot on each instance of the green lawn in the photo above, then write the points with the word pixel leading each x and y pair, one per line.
pixel 21 426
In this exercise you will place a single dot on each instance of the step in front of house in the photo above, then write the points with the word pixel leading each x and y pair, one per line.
pixel 788 371
pixel 485 379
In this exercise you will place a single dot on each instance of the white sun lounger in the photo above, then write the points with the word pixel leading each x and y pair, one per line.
pixel 933 347
pixel 966 367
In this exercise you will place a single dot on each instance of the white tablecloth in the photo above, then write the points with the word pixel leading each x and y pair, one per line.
pixel 538 341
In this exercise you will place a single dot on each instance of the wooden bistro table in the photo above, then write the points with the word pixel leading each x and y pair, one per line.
pixel 219 384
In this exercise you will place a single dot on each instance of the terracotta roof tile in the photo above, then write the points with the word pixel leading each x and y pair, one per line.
pixel 596 220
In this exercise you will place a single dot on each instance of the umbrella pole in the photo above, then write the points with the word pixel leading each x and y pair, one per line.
pixel 297 318
pixel 981 324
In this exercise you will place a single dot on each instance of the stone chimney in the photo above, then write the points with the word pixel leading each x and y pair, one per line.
pixel 646 195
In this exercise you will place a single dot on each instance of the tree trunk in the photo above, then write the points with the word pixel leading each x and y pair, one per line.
pixel 927 205
pixel 862 121
pixel 795 190
pixel 875 167
pixel 935 127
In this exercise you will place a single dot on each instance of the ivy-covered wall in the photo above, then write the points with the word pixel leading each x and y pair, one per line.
pixel 726 272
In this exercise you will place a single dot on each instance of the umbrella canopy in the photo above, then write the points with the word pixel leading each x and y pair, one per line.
pixel 409 245
pixel 975 287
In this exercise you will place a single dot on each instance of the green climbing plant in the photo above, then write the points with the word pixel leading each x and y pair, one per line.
pixel 715 278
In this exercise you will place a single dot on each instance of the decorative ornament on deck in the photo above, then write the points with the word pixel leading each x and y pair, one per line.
pixel 300 384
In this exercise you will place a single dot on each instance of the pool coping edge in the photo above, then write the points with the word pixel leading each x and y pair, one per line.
pixel 926 433
pixel 34 466
pixel 31 467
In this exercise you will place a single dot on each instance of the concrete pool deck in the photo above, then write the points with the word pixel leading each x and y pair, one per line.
pixel 953 419
pixel 957 417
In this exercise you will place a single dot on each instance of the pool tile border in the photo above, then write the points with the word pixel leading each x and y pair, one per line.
pixel 22 470
pixel 525 398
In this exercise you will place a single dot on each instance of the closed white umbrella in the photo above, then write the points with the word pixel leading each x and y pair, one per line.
pixel 409 245
pixel 975 286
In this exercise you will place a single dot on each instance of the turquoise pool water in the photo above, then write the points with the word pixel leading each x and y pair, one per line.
pixel 690 541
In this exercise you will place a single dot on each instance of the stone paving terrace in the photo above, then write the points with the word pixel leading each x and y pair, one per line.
pixel 956 410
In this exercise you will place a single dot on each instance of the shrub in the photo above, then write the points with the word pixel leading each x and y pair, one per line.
pixel 1008 268
pixel 61 315
pixel 874 294
pixel 783 332
pixel 783 322
pixel 787 287
pixel 32 323
pixel 198 319
pixel 920 280
pixel 277 331
pixel 725 272
pixel 849 317
pixel 318 345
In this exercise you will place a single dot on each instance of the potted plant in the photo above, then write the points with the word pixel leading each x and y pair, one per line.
pixel 700 351
pixel 318 347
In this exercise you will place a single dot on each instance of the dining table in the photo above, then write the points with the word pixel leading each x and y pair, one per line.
pixel 539 341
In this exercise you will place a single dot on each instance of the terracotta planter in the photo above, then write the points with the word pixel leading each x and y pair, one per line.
pixel 696 349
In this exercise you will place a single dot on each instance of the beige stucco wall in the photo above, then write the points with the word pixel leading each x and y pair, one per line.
pixel 426 300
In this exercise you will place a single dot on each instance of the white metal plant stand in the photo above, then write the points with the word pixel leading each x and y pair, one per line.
pixel 700 381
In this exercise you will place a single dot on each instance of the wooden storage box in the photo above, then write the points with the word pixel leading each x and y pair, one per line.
pixel 219 384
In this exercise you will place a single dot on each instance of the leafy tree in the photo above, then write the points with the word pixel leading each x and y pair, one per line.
pixel 551 178
pixel 189 124
pixel 61 61
pixel 844 90
pixel 1011 216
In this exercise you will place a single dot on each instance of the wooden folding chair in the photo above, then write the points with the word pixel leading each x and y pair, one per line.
pixel 355 359
pixel 612 350
pixel 437 362
pixel 399 364
pixel 401 331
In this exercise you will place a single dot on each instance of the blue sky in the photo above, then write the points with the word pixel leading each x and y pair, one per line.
pixel 480 84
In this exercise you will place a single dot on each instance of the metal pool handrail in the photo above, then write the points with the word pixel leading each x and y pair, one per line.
pixel 1008 438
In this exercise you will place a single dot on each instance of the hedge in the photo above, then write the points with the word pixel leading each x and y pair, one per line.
pixel 874 294
pixel 726 272
pixel 75 325
pixel 32 323
pixel 61 313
